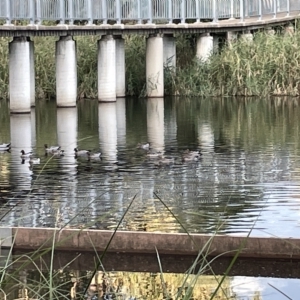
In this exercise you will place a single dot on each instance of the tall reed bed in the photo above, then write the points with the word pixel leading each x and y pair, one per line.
pixel 267 66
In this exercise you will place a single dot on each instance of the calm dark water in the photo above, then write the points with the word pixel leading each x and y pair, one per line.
pixel 247 178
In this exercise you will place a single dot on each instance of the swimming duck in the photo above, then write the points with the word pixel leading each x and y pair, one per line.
pixel 191 155
pixel 93 155
pixel 25 155
pixel 4 147
pixel 34 161
pixel 51 149
pixel 143 146
pixel 58 152
pixel 81 152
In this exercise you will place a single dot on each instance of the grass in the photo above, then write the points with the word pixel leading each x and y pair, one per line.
pixel 48 281
pixel 269 66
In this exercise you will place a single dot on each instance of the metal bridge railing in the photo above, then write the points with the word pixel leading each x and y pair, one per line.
pixel 140 11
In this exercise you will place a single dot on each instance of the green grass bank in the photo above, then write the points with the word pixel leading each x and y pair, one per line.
pixel 267 66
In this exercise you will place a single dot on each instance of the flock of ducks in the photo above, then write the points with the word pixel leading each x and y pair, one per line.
pixel 160 159
pixel 187 155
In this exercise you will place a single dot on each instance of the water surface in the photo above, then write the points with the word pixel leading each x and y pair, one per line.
pixel 247 177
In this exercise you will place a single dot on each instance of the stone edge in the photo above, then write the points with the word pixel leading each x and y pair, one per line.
pixel 148 242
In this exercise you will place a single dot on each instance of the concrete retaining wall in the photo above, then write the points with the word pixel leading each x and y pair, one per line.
pixel 147 242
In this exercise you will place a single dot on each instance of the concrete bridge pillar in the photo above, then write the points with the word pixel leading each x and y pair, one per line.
pixel 205 46
pixel 155 66
pixel 21 75
pixel 66 72
pixel 120 67
pixel 107 69
pixel 169 51
pixel 231 36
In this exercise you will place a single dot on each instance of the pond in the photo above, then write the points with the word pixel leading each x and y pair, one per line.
pixel 123 276
pixel 246 179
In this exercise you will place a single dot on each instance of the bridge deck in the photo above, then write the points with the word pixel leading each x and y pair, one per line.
pixel 250 23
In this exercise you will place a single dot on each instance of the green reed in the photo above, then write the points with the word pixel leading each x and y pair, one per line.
pixel 267 66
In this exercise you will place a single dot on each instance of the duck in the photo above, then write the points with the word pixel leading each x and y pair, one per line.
pixel 145 146
pixel 25 155
pixel 191 155
pixel 93 155
pixel 51 149
pixel 34 160
pixel 4 147
pixel 81 152
pixel 58 152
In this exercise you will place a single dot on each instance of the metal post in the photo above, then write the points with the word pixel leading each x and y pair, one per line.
pixel 90 12
pixel 197 11
pixel 104 12
pixel 287 8
pixel 182 11
pixel 61 12
pixel 31 12
pixel 38 12
pixel 8 12
pixel 150 17
pixel 118 11
pixel 231 10
pixel 71 12
pixel 242 13
pixel 215 13
pixel 274 9
pixel 259 10
pixel 139 12
pixel 170 11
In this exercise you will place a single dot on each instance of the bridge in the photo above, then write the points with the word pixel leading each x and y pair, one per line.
pixel 111 19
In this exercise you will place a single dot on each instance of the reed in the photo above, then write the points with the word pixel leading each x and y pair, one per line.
pixel 267 66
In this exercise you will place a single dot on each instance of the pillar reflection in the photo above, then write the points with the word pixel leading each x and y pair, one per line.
pixel 33 128
pixel 67 133
pixel 155 123
pixel 121 122
pixel 107 122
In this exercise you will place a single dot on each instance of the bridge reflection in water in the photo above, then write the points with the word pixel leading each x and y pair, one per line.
pixel 247 172
pixel 111 19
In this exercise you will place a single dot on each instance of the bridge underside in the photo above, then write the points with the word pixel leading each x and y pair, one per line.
pixel 251 23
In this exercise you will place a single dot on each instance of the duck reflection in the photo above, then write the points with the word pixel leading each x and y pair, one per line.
pixel 107 122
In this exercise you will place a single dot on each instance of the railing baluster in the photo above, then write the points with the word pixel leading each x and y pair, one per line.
pixel 182 11
pixel 242 13
pixel 61 12
pixel 150 17
pixel 287 8
pixel 259 10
